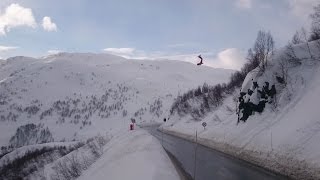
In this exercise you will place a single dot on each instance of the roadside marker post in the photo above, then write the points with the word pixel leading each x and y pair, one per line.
pixel 133 122
pixel 162 136
pixel 204 124
pixel 164 120
pixel 271 142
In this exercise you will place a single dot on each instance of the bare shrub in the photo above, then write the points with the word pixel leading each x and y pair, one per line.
pixel 305 36
pixel 315 26
pixel 283 64
pixel 230 110
pixel 96 151
pixel 30 162
pixel 71 166
pixel 297 38
pixel 291 56
pixel 216 118
pixel 263 46
pixel 75 166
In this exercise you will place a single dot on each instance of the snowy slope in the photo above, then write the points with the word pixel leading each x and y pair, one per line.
pixel 133 155
pixel 285 137
pixel 77 95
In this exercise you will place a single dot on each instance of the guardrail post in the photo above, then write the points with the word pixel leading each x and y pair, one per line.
pixel 162 136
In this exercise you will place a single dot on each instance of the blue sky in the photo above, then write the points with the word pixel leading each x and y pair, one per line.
pixel 222 30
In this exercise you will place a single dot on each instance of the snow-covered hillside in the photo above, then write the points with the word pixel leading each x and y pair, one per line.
pixel 58 113
pixel 285 136
pixel 77 95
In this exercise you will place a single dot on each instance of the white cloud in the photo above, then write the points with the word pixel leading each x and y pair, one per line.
pixel 124 52
pixel 231 58
pixel 132 53
pixel 7 48
pixel 182 45
pixel 16 16
pixel 5 51
pixel 48 25
pixel 244 4
pixel 50 52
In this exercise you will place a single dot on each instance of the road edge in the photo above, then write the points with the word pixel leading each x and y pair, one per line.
pixel 278 164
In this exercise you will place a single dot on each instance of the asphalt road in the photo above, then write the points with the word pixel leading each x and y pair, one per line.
pixel 210 164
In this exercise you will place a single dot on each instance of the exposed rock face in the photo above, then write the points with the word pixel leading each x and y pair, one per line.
pixel 31 134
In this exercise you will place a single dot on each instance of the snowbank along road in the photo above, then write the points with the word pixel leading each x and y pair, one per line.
pixel 210 164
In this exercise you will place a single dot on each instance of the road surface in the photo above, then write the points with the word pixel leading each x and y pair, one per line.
pixel 210 164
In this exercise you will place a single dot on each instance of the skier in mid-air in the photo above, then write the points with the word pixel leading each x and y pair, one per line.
pixel 200 59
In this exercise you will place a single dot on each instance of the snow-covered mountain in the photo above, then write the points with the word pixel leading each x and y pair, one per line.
pixel 77 95
pixel 284 136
